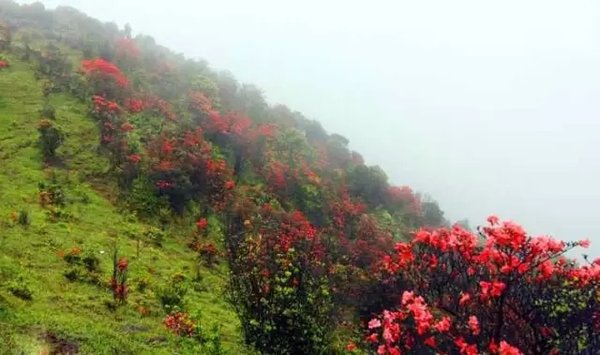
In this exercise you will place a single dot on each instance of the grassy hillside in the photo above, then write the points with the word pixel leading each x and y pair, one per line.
pixel 63 313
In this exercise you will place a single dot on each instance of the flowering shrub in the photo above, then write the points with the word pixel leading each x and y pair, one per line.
pixel 514 293
pixel 181 324
pixel 3 64
pixel 104 78
pixel 278 281
pixel 102 69
pixel 207 252
pixel 135 105
pixel 184 168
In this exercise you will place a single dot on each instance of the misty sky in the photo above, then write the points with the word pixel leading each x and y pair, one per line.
pixel 489 106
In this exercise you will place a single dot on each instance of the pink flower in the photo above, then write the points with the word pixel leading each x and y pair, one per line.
pixel 407 297
pixel 443 325
pixel 492 220
pixel 374 323
pixel 474 325
pixel 584 243
pixel 464 299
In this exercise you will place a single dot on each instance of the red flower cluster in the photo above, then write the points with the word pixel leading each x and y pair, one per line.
pixel 103 106
pixel 135 105
pixel 122 264
pixel 118 282
pixel 482 291
pixel 103 68
pixel 134 158
pixel 202 223
pixel 181 324
pixel 3 64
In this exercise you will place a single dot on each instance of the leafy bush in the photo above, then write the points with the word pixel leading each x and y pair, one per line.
pixel 172 297
pixel 51 194
pixel 83 267
pixel 155 235
pixel 24 219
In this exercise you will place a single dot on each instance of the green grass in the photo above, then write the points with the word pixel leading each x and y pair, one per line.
pixel 77 311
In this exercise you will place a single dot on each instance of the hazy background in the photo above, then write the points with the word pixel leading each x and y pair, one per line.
pixel 489 106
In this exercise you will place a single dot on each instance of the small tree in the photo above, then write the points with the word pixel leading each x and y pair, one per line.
pixel 51 137
pixel 118 282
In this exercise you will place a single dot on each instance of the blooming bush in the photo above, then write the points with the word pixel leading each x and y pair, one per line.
pixel 181 324
pixel 278 282
pixel 501 292
pixel 104 78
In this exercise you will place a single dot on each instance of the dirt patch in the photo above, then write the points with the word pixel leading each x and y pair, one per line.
pixel 60 346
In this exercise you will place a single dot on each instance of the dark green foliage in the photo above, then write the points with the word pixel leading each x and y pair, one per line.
pixel 82 267
pixel 369 183
pixel 433 216
pixel 48 111
pixel 51 137
pixel 19 288
pixel 172 296
pixel 142 198
pixel 56 67
pixel 24 219
pixel 155 236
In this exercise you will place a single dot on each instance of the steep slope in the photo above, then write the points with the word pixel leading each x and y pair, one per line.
pixel 154 205
pixel 63 313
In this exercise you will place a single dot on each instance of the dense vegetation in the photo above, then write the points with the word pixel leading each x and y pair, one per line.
pixel 152 205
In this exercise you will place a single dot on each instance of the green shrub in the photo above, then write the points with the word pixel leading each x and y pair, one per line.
pixel 83 267
pixel 24 219
pixel 142 198
pixel 51 194
pixel 19 288
pixel 172 297
pixel 48 111
pixel 51 137
pixel 154 235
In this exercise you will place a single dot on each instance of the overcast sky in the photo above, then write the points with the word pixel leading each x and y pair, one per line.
pixel 489 106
